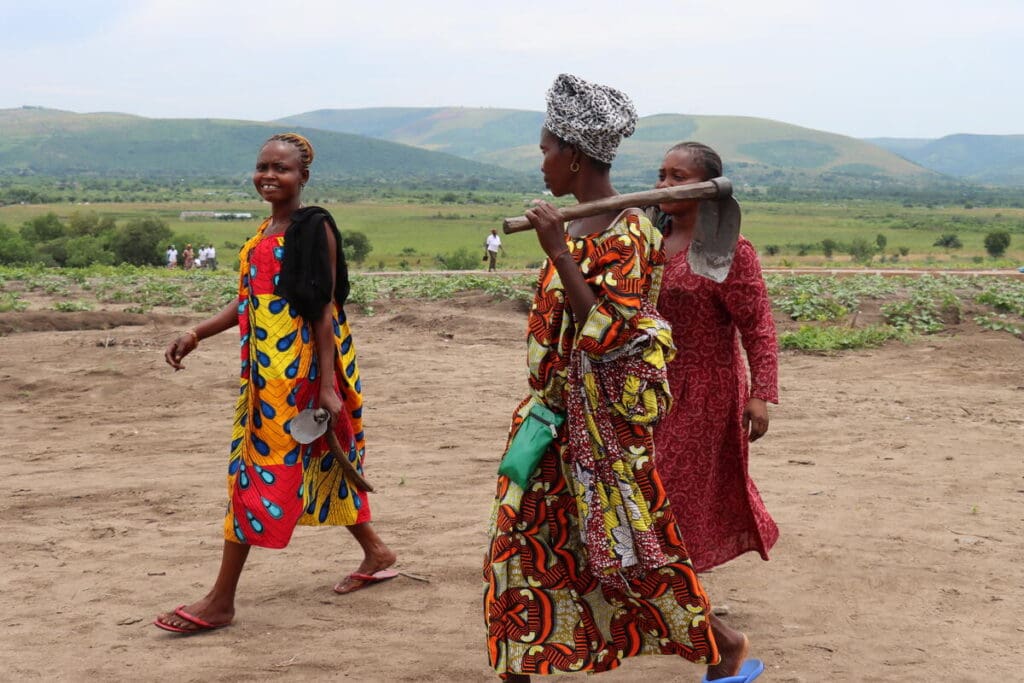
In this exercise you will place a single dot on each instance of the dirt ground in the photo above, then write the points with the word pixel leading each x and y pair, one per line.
pixel 896 476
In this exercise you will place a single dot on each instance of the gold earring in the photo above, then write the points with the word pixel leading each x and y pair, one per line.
pixel 574 167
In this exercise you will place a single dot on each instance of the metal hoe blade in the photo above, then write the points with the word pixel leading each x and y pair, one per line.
pixel 310 424
pixel 714 239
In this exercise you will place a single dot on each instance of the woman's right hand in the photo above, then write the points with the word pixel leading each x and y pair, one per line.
pixel 179 348
pixel 550 229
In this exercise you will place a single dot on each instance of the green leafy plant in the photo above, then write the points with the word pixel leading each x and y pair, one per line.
pixel 9 301
pixel 1000 322
pixel 838 338
pixel 72 306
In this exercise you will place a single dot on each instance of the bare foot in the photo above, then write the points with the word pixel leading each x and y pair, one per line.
pixel 732 647
pixel 205 610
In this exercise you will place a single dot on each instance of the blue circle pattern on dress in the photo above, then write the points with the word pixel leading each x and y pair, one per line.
pixel 279 376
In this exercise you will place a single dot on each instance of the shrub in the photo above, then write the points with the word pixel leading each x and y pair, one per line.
pixel 771 249
pixel 42 228
pixel 460 259
pixel 141 242
pixel 89 223
pixel 996 243
pixel 881 241
pixel 15 249
pixel 904 251
pixel 948 240
pixel 828 247
pixel 86 251
pixel 355 245
pixel 861 250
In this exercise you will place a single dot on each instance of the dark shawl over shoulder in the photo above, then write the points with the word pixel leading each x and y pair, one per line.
pixel 305 279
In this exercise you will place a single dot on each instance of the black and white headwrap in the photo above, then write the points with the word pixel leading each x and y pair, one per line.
pixel 592 117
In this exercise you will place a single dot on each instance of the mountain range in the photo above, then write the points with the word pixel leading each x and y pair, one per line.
pixel 60 143
pixel 757 151
pixel 990 159
pixel 484 147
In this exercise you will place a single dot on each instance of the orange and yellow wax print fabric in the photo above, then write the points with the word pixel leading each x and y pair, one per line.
pixel 274 482
pixel 581 573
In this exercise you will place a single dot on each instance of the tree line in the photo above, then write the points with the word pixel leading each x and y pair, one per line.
pixel 87 239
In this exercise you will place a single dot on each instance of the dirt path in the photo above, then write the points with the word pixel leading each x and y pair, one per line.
pixel 896 476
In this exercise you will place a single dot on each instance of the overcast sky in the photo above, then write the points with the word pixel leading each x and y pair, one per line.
pixel 914 68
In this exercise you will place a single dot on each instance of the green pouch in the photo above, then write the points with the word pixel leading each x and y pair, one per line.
pixel 537 431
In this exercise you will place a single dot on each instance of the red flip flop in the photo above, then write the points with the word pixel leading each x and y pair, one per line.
pixel 367 580
pixel 201 624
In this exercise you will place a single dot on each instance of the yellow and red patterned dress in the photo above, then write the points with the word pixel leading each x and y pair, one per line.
pixel 274 482
pixel 587 566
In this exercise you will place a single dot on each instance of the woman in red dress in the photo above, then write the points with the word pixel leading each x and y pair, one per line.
pixel 702 443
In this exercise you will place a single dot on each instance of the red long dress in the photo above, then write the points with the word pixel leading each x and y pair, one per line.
pixel 701 446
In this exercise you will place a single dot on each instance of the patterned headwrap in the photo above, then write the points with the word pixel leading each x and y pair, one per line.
pixel 592 117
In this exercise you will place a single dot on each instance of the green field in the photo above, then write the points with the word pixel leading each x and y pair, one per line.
pixel 408 231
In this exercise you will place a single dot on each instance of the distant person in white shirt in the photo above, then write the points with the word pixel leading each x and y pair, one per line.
pixel 211 257
pixel 172 256
pixel 493 244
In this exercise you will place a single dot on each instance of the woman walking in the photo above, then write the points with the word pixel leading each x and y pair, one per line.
pixel 703 442
pixel 297 353
pixel 585 564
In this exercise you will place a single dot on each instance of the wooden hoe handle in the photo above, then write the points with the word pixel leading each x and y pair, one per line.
pixel 716 188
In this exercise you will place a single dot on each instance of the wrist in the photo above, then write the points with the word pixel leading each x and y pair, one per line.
pixel 194 335
pixel 561 254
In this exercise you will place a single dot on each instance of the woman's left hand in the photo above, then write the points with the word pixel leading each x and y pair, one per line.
pixel 547 222
pixel 330 402
pixel 755 418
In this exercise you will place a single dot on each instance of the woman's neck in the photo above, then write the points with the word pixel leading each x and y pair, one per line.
pixel 590 190
pixel 281 215
pixel 680 233
pixel 684 224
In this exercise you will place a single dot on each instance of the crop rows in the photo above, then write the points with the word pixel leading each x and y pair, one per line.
pixel 828 312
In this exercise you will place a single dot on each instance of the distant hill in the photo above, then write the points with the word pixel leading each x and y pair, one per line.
pixel 757 151
pixel 57 143
pixel 991 159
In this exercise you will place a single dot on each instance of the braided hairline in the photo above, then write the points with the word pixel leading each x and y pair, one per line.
pixel 705 157
pixel 306 153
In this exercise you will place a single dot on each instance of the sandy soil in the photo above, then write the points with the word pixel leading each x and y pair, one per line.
pixel 896 476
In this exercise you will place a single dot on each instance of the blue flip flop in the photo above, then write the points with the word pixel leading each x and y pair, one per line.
pixel 751 669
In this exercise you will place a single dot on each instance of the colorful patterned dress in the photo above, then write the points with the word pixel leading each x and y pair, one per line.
pixel 702 448
pixel 274 482
pixel 550 605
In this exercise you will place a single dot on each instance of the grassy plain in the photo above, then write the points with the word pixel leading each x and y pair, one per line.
pixel 409 231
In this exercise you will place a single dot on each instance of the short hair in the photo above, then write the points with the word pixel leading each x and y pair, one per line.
pixel 300 142
pixel 706 158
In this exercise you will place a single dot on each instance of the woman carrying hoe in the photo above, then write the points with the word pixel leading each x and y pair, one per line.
pixel 297 353
pixel 585 564
pixel 703 442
